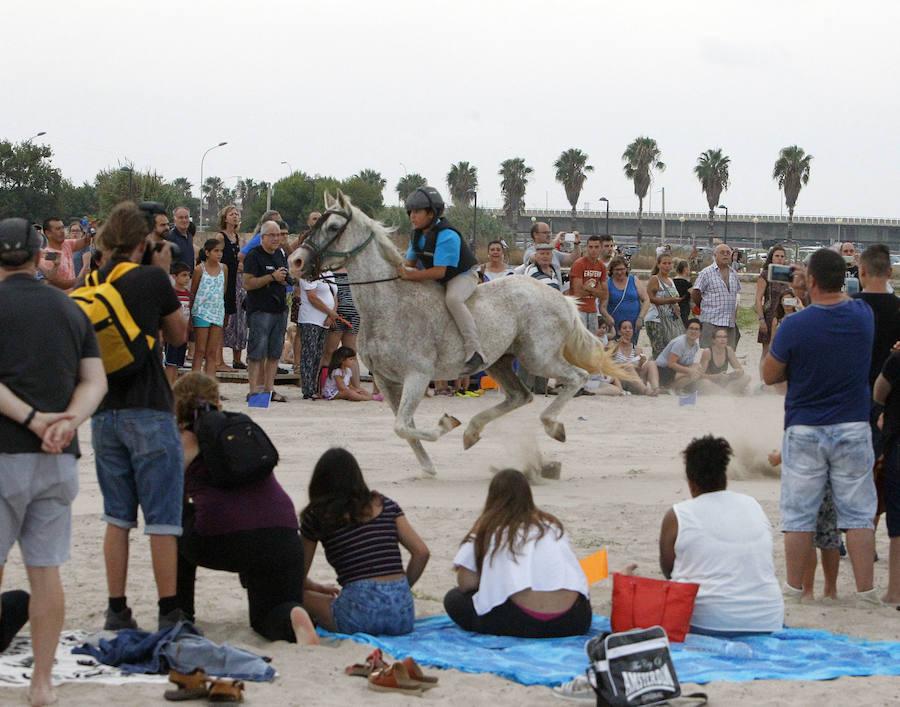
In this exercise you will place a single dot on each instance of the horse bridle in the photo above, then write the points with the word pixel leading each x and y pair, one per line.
pixel 319 252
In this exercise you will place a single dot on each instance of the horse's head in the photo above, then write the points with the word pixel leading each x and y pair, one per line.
pixel 330 241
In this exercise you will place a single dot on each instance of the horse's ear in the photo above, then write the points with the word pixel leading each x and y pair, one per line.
pixel 342 200
pixel 329 202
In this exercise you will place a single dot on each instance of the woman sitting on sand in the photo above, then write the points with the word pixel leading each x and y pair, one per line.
pixel 722 541
pixel 250 530
pixel 632 358
pixel 516 573
pixel 714 364
pixel 360 531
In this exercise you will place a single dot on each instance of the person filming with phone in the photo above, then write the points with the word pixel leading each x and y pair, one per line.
pixel 57 262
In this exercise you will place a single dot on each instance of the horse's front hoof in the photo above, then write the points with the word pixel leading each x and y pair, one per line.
pixel 429 471
pixel 556 430
pixel 448 422
pixel 470 438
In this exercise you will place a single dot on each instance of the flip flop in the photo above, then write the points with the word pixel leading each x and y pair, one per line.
pixel 415 672
pixel 191 686
pixel 278 398
pixel 227 691
pixel 394 679
pixel 373 662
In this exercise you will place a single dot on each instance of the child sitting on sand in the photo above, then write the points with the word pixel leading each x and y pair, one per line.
pixel 360 530
pixel 340 373
pixel 516 573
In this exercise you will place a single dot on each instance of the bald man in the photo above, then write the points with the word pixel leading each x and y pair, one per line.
pixel 716 293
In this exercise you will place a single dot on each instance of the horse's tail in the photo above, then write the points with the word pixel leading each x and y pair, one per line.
pixel 585 350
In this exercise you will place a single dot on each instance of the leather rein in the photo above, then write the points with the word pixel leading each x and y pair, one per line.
pixel 319 252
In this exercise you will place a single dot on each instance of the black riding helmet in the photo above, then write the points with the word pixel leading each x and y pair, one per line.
pixel 425 198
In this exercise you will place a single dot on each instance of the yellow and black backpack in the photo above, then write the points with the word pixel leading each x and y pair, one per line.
pixel 123 346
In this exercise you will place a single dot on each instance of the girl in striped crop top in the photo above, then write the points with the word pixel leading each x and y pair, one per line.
pixel 361 532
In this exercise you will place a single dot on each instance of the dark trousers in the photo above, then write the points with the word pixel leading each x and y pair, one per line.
pixel 509 620
pixel 269 562
pixel 312 342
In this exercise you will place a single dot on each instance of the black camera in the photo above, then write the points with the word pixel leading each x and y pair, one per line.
pixel 288 280
pixel 156 247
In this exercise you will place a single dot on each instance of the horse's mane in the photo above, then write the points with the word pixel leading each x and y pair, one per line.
pixel 382 236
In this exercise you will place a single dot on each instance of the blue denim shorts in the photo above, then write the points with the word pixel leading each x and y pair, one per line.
pixel 378 608
pixel 139 462
pixel 266 337
pixel 813 455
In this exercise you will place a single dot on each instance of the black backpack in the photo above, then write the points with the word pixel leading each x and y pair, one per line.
pixel 236 451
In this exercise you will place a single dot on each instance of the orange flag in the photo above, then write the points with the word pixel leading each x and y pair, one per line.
pixel 594 566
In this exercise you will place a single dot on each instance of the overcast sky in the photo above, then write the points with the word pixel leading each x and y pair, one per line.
pixel 335 87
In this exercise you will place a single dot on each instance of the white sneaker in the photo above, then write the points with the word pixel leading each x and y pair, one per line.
pixel 577 689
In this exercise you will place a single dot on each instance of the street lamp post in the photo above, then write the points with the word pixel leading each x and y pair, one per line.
pixel 42 132
pixel 839 222
pixel 725 208
pixel 221 144
pixel 755 222
pixel 603 198
pixel 681 240
pixel 474 194
pixel 288 166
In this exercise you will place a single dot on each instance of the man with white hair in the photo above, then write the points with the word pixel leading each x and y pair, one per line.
pixel 265 273
pixel 716 293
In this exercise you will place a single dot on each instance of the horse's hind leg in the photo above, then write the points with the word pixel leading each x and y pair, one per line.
pixel 570 378
pixel 515 395
pixel 392 393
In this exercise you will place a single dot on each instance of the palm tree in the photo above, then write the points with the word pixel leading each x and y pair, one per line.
pixel 213 189
pixel 460 179
pixel 791 172
pixel 712 171
pixel 408 184
pixel 514 179
pixel 183 186
pixel 248 192
pixel 571 169
pixel 640 157
pixel 372 177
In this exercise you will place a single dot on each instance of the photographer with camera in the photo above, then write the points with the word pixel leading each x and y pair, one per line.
pixel 265 277
pixel 159 250
pixel 57 262
pixel 135 439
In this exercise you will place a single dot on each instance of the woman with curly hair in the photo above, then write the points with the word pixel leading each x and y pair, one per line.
pixel 516 573
pixel 361 531
pixel 249 529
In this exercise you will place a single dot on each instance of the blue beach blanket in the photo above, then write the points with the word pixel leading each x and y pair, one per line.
pixel 790 654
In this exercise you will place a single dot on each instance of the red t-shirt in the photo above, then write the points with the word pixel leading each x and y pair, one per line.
pixel 588 270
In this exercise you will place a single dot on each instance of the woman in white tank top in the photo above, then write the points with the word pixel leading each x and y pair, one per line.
pixel 722 541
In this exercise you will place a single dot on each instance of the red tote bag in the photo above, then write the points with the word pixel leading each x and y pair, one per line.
pixel 642 602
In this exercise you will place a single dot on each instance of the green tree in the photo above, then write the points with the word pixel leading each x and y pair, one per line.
pixel 408 184
pixel 29 185
pixel 712 171
pixel 373 177
pixel 116 184
pixel 183 190
pixel 571 171
pixel 461 178
pixel 365 193
pixel 792 173
pixel 79 202
pixel 213 190
pixel 640 157
pixel 513 181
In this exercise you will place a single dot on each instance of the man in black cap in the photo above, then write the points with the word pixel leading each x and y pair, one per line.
pixel 51 379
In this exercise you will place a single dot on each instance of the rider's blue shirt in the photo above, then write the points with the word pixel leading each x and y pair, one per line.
pixel 446 250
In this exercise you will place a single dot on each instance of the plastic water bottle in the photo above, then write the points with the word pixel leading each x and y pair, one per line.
pixel 720 646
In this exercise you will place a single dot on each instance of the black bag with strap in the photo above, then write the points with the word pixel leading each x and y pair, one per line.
pixel 236 450
pixel 634 668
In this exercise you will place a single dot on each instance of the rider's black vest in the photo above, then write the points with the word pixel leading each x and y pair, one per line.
pixel 426 256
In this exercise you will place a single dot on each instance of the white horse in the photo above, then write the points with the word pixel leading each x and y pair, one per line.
pixel 408 339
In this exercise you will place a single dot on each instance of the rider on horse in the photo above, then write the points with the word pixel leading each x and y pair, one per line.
pixel 441 254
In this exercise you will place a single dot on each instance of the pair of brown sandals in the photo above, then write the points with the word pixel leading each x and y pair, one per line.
pixel 197 685
pixel 404 676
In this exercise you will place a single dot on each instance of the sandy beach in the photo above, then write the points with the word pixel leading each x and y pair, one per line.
pixel 621 470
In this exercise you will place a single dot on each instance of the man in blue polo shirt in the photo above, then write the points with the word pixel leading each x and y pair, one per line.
pixel 823 352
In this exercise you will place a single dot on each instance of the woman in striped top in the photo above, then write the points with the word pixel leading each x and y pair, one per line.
pixel 361 531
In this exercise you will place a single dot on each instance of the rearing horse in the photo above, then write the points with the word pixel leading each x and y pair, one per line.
pixel 408 339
